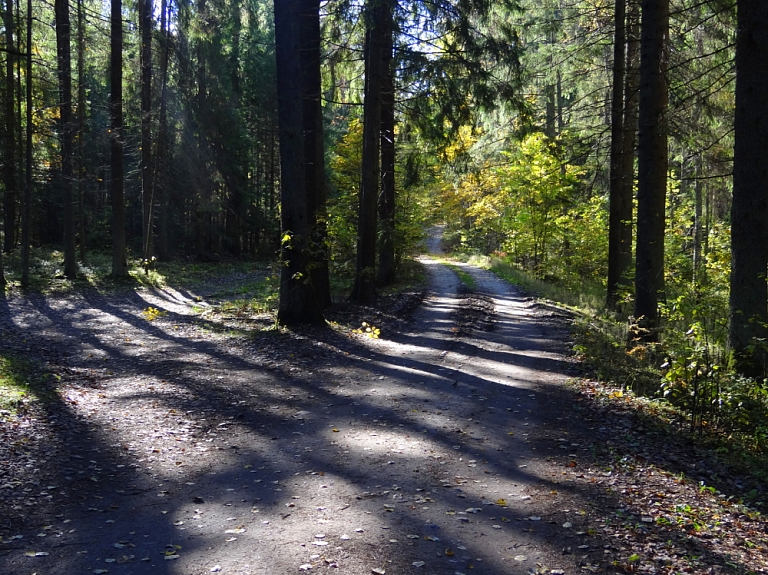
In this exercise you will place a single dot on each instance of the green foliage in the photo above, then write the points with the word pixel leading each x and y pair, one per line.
pixel 344 164
pixel 411 204
pixel 527 209
pixel 262 298
pixel 21 384
pixel 14 389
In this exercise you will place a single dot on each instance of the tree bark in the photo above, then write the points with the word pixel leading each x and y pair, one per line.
pixel 119 263
pixel 652 166
pixel 631 85
pixel 26 209
pixel 364 288
pixel 615 261
pixel 81 124
pixel 387 199
pixel 314 156
pixel 298 300
pixel 64 61
pixel 147 189
pixel 749 233
pixel 9 171
pixel 161 149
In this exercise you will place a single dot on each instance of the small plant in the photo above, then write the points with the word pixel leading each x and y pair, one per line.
pixel 368 331
pixel 152 313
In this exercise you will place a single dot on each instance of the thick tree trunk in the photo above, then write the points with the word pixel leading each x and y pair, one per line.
pixel 652 166
pixel 9 167
pixel 119 263
pixel 387 264
pixel 314 156
pixel 147 188
pixel 364 288
pixel 298 300
pixel 615 261
pixel 749 233
pixel 64 60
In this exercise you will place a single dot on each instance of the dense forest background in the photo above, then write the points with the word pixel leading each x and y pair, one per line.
pixel 610 147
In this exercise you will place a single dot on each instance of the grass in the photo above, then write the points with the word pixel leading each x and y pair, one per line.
pixel 20 384
pixel 464 277
pixel 47 265
pixel 588 297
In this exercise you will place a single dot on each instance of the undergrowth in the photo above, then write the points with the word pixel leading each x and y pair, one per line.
pixel 46 271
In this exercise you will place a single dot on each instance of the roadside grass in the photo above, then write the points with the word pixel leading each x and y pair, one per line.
pixel 465 278
pixel 21 384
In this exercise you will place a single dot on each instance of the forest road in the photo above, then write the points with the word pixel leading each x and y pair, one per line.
pixel 176 447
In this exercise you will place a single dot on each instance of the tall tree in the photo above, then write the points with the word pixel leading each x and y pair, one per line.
pixel 81 125
pixel 615 261
pixel 119 263
pixel 749 213
pixel 162 132
pixel 298 300
pixel 387 197
pixel 9 166
pixel 26 208
pixel 64 59
pixel 364 288
pixel 147 189
pixel 314 156
pixel 652 165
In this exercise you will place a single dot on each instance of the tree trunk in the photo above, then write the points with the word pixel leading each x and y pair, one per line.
pixel 615 261
pixel 314 156
pixel 386 272
pixel 64 61
pixel 158 180
pixel 652 166
pixel 631 84
pixel 364 288
pixel 26 210
pixel 749 234
pixel 81 124
pixel 147 189
pixel 698 224
pixel 236 181
pixel 119 263
pixel 9 172
pixel 298 300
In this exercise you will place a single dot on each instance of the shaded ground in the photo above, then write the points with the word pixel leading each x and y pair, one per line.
pixel 189 445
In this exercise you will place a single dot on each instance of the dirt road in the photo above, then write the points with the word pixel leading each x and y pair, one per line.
pixel 177 447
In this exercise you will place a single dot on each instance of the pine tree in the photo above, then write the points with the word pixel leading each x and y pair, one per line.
pixel 749 232
pixel 298 300
pixel 119 263
pixel 653 160
pixel 9 165
pixel 64 58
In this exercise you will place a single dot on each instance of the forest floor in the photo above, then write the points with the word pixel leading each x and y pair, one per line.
pixel 465 439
